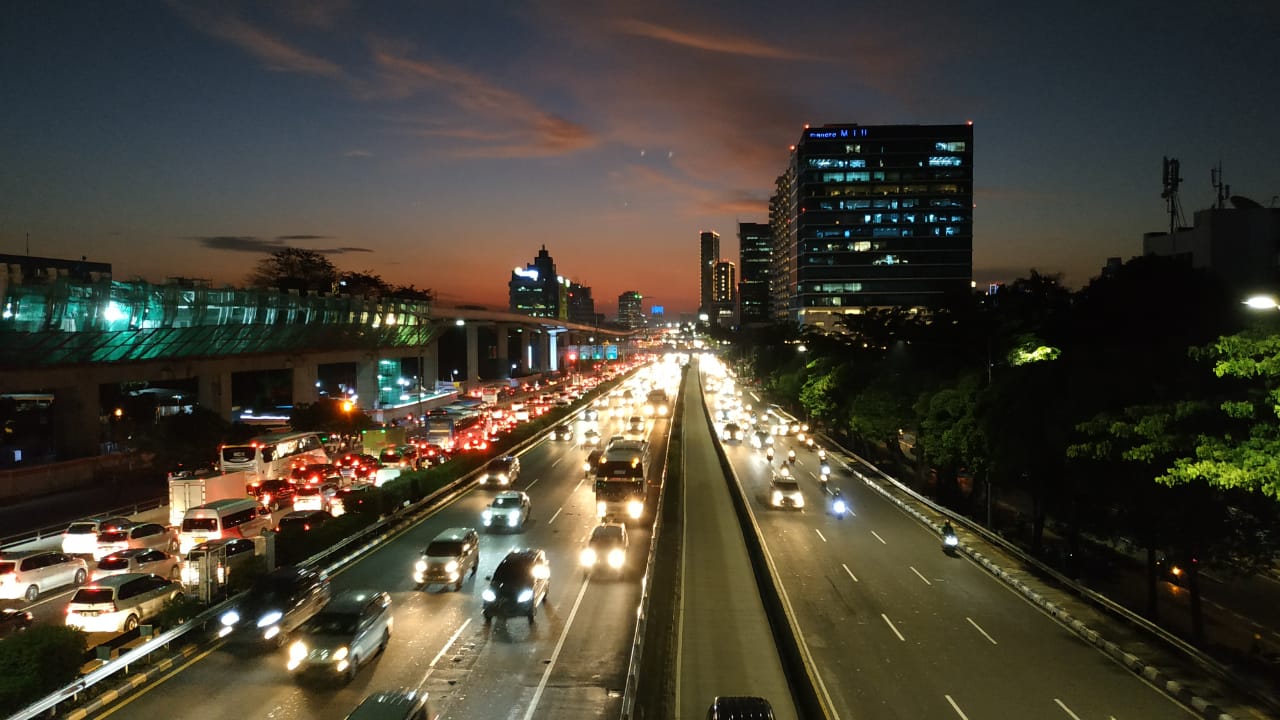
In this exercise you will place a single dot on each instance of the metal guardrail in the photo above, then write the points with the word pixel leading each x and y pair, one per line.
pixel 371 537
pixel 642 613
pixel 141 506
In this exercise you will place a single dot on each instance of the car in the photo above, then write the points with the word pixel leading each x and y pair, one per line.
pixel 635 426
pixel 732 432
pixel 81 537
pixel 508 511
pixel 277 603
pixel 121 602
pixel 143 535
pixel 230 555
pixel 275 494
pixel 317 473
pixel 352 627
pixel 14 621
pixel 351 500
pixel 353 466
pixel 26 576
pixel 739 707
pixel 590 438
pixel 518 585
pixel 785 492
pixel 761 439
pixel 148 561
pixel 300 521
pixel 593 458
pixel 314 497
pixel 501 471
pixel 394 705
pixel 400 455
pixel 562 432
pixel 606 548
pixel 449 558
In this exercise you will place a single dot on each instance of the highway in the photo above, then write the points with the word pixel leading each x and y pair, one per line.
pixel 898 629
pixel 570 663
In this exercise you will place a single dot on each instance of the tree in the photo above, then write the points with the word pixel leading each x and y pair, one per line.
pixel 330 415
pixel 188 439
pixel 295 269
pixel 362 283
pixel 950 437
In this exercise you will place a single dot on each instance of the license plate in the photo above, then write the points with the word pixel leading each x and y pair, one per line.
pixel 89 613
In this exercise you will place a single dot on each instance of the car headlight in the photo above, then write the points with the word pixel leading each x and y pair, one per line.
pixel 451 566
pixel 586 466
pixel 297 651
pixel 514 518
pixel 588 557
pixel 420 566
pixel 616 558
pixel 230 617
pixel 600 508
pixel 487 515
pixel 635 509
pixel 270 618
pixel 525 595
pixel 798 499
pixel 341 653
pixel 777 498
pixel 487 595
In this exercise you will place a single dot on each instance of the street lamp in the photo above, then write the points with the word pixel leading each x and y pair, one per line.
pixel 1262 302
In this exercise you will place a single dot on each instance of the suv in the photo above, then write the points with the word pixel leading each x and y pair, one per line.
pixel 280 601
pixel 81 537
pixel 394 705
pixel 147 561
pixel 508 511
pixel 785 492
pixel 607 547
pixel 120 602
pixel 314 497
pixel 593 458
pixel 562 432
pixel 501 471
pixel 353 627
pixel 150 536
pixel 518 586
pixel 300 521
pixel 449 558
pixel 27 576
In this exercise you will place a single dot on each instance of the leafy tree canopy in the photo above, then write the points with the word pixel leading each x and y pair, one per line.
pixel 295 269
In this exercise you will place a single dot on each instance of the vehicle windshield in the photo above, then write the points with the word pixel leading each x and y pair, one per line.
pixel 113 563
pixel 308 490
pixel 786 486
pixel 606 536
pixel 269 593
pixel 499 465
pixel 444 548
pixel 91 596
pixel 83 528
pixel 506 502
pixel 199 524
pixel 333 623
pixel 239 453
pixel 512 572
pixel 113 536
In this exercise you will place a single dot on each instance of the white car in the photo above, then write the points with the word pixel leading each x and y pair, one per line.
pixel 144 535
pixel 81 537
pixel 26 576
pixel 314 497
pixel 785 492
pixel 508 511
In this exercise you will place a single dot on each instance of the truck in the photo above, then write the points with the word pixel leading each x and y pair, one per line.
pixel 620 480
pixel 188 491
pixel 373 441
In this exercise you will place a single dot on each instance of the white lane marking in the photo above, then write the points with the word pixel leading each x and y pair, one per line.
pixel 956 707
pixel 846 569
pixel 553 517
pixel 882 542
pixel 556 462
pixel 984 632
pixel 431 667
pixel 824 537
pixel 535 482
pixel 891 627
pixel 917 572
pixel 1066 709
pixel 575 487
pixel 546 675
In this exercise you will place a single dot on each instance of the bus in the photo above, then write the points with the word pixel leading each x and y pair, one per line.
pixel 456 431
pixel 620 479
pixel 273 456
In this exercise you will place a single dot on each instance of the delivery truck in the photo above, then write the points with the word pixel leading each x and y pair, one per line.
pixel 191 491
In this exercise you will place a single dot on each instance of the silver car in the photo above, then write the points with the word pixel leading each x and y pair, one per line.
pixel 144 535
pixel 137 560
pixel 353 627
pixel 26 576
pixel 120 602
pixel 508 511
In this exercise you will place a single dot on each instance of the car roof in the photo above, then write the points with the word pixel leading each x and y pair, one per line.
pixel 351 600
pixel 509 494
pixel 130 552
pixel 389 704
pixel 115 581
pixel 457 533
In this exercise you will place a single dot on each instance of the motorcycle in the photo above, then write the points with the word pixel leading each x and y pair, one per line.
pixel 822 454
pixel 839 507
pixel 791 456
pixel 950 544
pixel 768 454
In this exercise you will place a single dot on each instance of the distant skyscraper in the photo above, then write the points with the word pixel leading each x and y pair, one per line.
pixel 582 307
pixel 872 216
pixel 629 309
pixel 535 290
pixel 755 244
pixel 708 256
pixel 724 297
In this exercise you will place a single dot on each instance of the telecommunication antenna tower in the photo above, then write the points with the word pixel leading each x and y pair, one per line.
pixel 1224 190
pixel 1170 193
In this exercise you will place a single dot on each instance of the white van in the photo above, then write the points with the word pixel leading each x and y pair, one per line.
pixel 243 517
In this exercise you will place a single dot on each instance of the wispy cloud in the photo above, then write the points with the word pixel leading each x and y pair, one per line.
pixel 275 53
pixel 719 42
pixel 255 244
pixel 304 237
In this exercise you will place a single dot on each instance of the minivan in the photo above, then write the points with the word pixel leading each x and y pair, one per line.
pixel 394 705
pixel 243 517
pixel 29 575
pixel 144 536
pixel 352 627
pixel 81 537
pixel 451 556
pixel 120 602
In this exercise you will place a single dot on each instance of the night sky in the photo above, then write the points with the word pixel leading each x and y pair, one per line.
pixel 442 143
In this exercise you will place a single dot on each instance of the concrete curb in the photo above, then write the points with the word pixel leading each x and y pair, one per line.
pixel 132 683
pixel 1150 673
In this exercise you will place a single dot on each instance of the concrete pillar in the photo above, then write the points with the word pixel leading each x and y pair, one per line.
pixel 544 351
pixel 214 393
pixel 500 337
pixel 526 345
pixel 305 374
pixel 553 351
pixel 367 382
pixel 431 365
pixel 472 373
pixel 77 423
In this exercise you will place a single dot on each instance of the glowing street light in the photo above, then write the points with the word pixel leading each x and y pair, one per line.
pixel 1262 302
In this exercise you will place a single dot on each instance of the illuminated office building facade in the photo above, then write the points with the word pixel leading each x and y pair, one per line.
pixel 755 251
pixel 872 217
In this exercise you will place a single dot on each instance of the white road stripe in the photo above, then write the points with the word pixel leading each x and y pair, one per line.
pixel 1065 709
pixel 556 462
pixel 535 482
pixel 917 572
pixel 824 537
pixel 956 707
pixel 575 487
pixel 846 569
pixel 546 675
pixel 553 517
pixel 984 632
pixel 882 542
pixel 895 630
pixel 432 665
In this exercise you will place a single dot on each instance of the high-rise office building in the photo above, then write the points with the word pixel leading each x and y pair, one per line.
pixel 872 217
pixel 724 296
pixel 755 250
pixel 582 307
pixel 537 290
pixel 630 314
pixel 708 256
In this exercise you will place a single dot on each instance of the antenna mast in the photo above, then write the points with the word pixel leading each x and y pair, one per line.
pixel 1224 190
pixel 1170 193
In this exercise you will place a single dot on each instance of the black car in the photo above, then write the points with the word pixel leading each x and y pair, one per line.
pixel 352 500
pixel 562 432
pixel 275 494
pixel 277 603
pixel 518 586
pixel 13 621
pixel 300 521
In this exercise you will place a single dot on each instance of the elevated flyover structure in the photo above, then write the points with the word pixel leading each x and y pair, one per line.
pixel 67 337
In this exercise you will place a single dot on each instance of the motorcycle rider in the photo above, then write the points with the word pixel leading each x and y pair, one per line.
pixel 837 506
pixel 768 453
